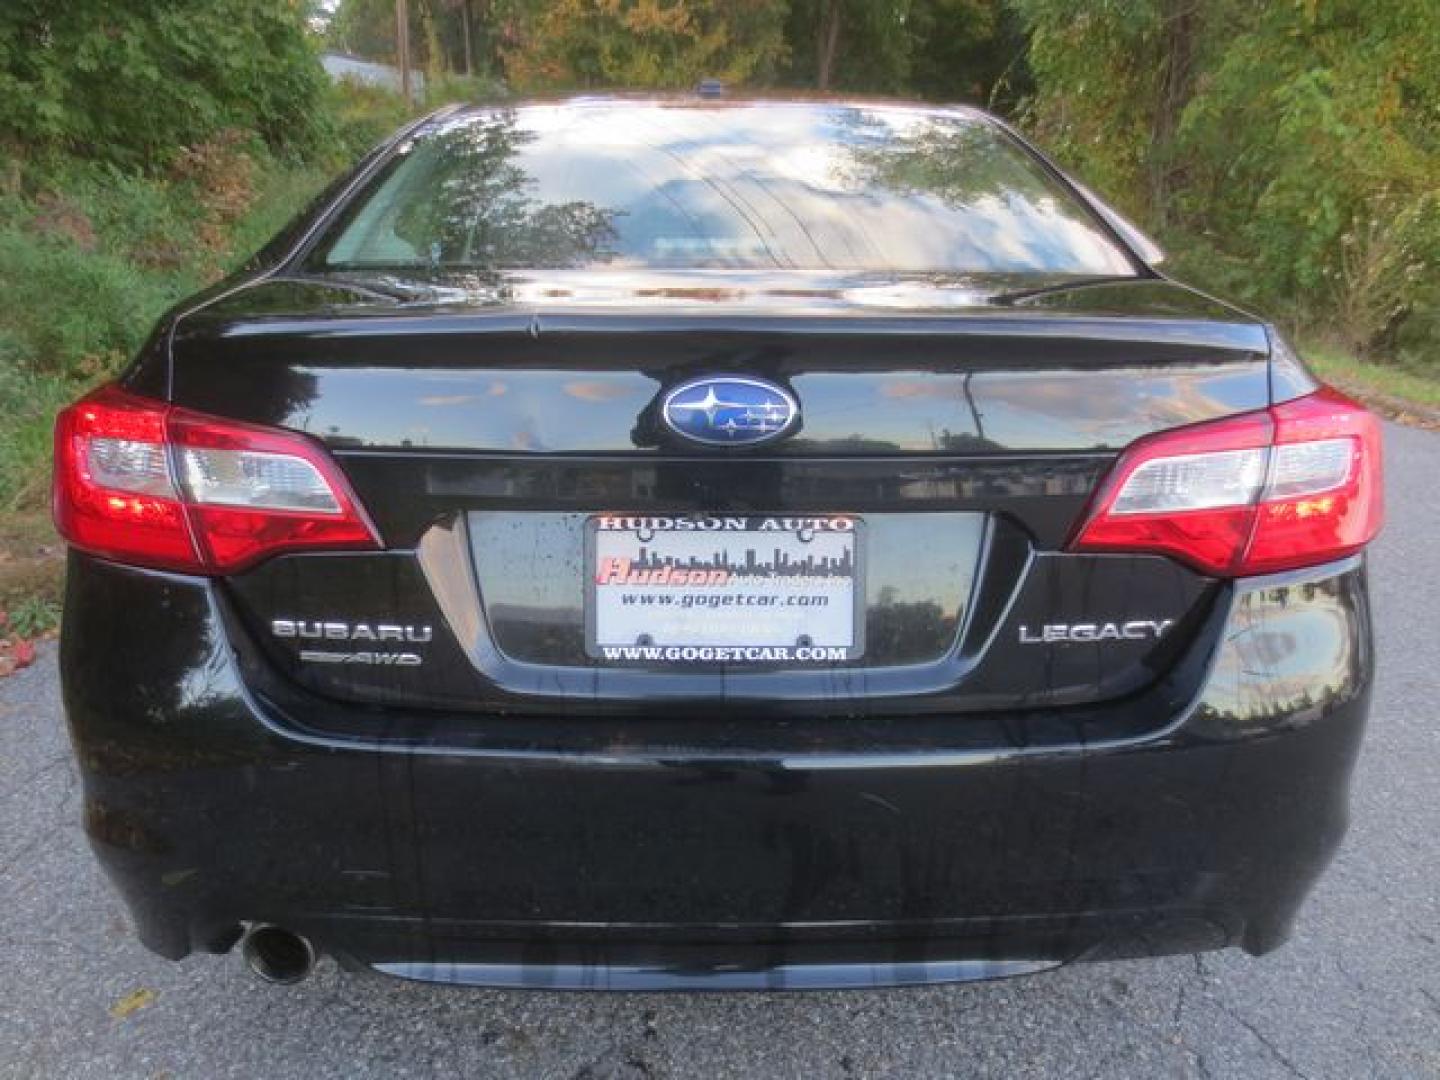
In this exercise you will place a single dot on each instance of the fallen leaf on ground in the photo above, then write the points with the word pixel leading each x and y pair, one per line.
pixel 132 1002
pixel 15 653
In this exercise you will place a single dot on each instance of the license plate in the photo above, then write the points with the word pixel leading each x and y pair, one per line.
pixel 730 590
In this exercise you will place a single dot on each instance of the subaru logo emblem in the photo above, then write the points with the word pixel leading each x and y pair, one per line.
pixel 729 410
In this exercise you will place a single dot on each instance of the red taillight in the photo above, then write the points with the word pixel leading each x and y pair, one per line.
pixel 1285 487
pixel 143 482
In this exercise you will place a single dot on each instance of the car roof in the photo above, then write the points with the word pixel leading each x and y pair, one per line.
pixel 637 99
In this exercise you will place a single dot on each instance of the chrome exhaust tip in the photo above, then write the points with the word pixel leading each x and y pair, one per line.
pixel 277 955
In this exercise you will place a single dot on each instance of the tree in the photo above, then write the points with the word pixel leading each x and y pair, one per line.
pixel 968 50
pixel 134 81
pixel 367 28
pixel 1295 147
pixel 446 36
pixel 849 44
pixel 644 43
pixel 827 41
pixel 1314 142
pixel 956 50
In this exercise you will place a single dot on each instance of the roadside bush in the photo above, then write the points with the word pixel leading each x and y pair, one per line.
pixel 1382 264
pixel 132 216
pixel 1417 339
pixel 1293 150
pixel 360 116
pixel 280 192
pixel 70 312
pixel 129 82
pixel 472 90
pixel 592 43
pixel 30 402
pixel 31 617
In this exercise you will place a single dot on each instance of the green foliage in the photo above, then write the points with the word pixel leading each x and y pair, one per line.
pixel 1291 149
pixel 1094 63
pixel 940 49
pixel 446 87
pixel 967 50
pixel 947 50
pixel 147 143
pixel 32 617
pixel 71 312
pixel 130 82
pixel 644 43
pixel 361 115
pixel 279 193
pixel 437 32
pixel 850 44
pixel 1394 386
pixel 1315 148
pixel 28 403
pixel 367 28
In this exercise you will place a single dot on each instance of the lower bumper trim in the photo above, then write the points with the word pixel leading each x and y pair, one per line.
pixel 855 976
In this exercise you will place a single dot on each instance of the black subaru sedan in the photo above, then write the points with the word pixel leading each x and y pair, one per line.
pixel 679 543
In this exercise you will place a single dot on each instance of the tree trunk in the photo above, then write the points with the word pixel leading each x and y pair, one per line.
pixel 1180 27
pixel 465 31
pixel 436 62
pixel 402 45
pixel 827 41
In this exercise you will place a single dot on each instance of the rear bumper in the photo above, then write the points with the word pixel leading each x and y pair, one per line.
pixel 638 863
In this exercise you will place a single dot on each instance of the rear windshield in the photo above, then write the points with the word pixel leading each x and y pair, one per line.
pixel 804 187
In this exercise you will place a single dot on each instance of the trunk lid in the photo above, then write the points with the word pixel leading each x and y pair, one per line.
pixel 483 426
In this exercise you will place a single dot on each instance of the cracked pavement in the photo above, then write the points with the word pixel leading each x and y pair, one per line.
pixel 1355 993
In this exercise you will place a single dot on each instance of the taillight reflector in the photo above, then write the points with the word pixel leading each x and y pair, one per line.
pixel 143 482
pixel 1285 487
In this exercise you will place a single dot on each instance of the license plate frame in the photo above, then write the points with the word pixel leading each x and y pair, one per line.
pixel 803 633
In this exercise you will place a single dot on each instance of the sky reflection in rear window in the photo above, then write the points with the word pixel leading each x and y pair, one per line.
pixel 840 188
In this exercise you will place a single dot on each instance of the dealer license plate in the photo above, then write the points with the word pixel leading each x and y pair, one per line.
pixel 731 590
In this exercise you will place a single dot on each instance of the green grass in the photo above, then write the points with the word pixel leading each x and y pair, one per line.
pixel 32 567
pixel 1405 386
pixel 33 616
pixel 28 404
pixel 280 195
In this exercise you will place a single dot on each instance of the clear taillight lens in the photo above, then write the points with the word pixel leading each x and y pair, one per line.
pixel 129 465
pixel 256 480
pixel 1193 482
pixel 1309 468
pixel 143 482
pixel 1289 486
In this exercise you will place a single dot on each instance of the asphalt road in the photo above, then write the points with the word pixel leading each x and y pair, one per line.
pixel 1355 994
